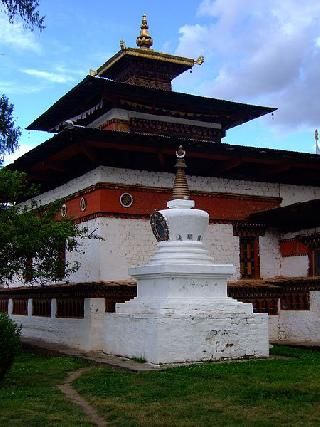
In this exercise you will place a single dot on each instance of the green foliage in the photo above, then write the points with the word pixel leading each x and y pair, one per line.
pixel 27 10
pixel 14 186
pixel 33 232
pixel 9 134
pixel 9 343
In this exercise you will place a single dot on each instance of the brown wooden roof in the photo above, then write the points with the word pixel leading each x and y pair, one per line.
pixel 293 217
pixel 93 91
pixel 73 152
pixel 127 56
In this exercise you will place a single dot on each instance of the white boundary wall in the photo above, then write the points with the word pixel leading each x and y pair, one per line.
pixel 88 334
pixel 297 326
pixel 83 334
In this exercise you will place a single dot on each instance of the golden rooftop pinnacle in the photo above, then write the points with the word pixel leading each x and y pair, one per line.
pixel 144 40
pixel 122 45
pixel 180 186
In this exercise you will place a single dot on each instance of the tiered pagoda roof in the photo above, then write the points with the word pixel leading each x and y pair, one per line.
pixel 93 96
pixel 132 91
pixel 125 115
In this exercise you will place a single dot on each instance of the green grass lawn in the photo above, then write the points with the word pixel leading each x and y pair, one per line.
pixel 284 391
pixel 278 392
pixel 29 396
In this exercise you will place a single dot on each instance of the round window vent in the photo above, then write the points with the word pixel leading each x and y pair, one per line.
pixel 126 200
pixel 83 204
pixel 63 210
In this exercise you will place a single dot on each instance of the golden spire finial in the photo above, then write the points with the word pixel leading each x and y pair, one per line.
pixel 180 187
pixel 144 40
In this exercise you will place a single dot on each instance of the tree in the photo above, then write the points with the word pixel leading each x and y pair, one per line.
pixel 32 240
pixel 9 343
pixel 33 237
pixel 27 10
pixel 9 134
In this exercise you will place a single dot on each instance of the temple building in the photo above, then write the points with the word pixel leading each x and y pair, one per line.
pixel 111 159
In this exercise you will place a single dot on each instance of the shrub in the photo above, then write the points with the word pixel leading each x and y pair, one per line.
pixel 9 343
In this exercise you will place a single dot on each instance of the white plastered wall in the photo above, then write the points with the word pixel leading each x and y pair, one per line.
pixel 294 266
pixel 289 193
pixel 297 326
pixel 83 334
pixel 130 241
pixel 223 246
pixel 269 254
pixel 126 242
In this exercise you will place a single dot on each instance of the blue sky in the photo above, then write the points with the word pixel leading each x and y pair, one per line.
pixel 263 52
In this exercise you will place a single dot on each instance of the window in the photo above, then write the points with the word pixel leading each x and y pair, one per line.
pixel 315 263
pixel 4 305
pixel 70 307
pixel 41 307
pixel 20 306
pixel 249 257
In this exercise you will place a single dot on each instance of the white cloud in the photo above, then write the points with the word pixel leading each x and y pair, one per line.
pixel 11 87
pixel 17 37
pixel 59 76
pixel 264 51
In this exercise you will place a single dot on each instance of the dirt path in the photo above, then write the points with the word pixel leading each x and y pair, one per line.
pixel 75 397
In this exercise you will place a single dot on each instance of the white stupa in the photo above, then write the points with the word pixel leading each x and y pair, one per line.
pixel 182 312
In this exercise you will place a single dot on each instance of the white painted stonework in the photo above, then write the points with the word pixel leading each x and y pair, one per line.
pixel 182 311
pixel 289 193
pixel 297 326
pixel 294 266
pixel 269 255
pixel 84 334
pixel 217 330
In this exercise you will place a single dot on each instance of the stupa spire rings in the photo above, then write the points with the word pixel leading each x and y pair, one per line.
pixel 144 40
pixel 180 187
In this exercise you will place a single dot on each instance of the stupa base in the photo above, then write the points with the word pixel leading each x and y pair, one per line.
pixel 174 338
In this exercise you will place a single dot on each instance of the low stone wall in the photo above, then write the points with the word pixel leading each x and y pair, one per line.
pixel 76 315
pixel 83 333
pixel 68 314
pixel 297 326
pixel 293 305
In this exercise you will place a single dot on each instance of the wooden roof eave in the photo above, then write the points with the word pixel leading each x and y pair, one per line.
pixel 90 91
pixel 294 217
pixel 85 148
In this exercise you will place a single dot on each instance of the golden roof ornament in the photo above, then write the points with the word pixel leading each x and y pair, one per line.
pixel 122 45
pixel 144 40
pixel 180 186
pixel 199 60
